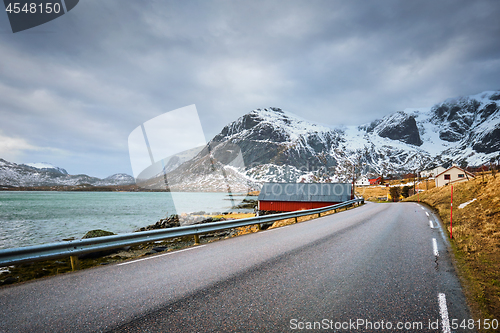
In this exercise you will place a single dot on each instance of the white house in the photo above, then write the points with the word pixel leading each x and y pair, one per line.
pixel 432 172
pixel 452 175
pixel 363 181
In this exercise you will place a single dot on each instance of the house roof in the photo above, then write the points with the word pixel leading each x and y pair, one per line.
pixel 454 166
pixel 363 178
pixel 434 170
pixel 308 192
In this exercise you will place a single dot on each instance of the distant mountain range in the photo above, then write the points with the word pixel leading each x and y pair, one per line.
pixel 273 145
pixel 44 174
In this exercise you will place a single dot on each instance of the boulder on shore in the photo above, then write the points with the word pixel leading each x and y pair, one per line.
pixel 97 233
pixel 93 234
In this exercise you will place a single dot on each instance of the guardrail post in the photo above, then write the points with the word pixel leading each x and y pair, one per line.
pixel 259 227
pixel 296 219
pixel 319 214
pixel 75 263
pixel 196 240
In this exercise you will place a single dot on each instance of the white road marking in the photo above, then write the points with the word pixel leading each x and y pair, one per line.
pixel 160 255
pixel 443 311
pixel 432 225
pixel 422 208
pixel 435 247
pixel 427 214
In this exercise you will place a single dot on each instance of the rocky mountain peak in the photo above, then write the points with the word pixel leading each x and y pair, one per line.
pixel 400 126
pixel 458 116
pixel 459 129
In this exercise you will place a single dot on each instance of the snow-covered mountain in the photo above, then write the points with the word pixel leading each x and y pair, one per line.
pixel 116 179
pixel 45 174
pixel 464 130
pixel 47 167
pixel 273 145
pixel 279 146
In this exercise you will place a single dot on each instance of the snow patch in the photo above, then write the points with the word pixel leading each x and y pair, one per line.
pixel 42 165
pixel 466 203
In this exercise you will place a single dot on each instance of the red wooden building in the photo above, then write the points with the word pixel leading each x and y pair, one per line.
pixel 375 181
pixel 287 197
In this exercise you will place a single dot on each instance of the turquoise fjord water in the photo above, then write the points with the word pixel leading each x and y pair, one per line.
pixel 32 218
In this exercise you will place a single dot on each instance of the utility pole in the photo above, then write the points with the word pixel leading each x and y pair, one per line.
pixel 353 184
pixel 414 185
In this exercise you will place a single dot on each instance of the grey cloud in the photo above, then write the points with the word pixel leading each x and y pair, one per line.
pixel 81 83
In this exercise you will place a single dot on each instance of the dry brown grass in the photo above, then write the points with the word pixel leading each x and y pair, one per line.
pixel 427 184
pixel 246 230
pixel 235 215
pixel 476 237
pixel 376 192
pixel 372 193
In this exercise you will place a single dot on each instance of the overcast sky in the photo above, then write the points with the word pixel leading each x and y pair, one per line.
pixel 73 89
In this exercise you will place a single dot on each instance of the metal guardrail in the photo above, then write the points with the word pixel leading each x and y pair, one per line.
pixel 76 247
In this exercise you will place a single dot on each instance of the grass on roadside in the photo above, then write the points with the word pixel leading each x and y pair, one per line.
pixel 372 193
pixel 476 237
pixel 377 193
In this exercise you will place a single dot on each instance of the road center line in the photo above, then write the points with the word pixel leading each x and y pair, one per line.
pixel 422 208
pixel 432 225
pixel 160 255
pixel 427 214
pixel 435 247
pixel 443 311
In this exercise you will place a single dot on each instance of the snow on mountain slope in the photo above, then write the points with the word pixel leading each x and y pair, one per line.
pixel 116 179
pixel 277 145
pixel 46 166
pixel 464 130
pixel 273 145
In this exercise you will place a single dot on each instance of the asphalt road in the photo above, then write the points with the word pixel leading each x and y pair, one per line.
pixel 359 270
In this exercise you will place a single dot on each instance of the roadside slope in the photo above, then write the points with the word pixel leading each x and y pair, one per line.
pixel 476 236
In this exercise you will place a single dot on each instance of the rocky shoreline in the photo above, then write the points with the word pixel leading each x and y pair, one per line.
pixel 184 219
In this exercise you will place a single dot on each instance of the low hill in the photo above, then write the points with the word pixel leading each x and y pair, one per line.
pixel 476 236
pixel 14 175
